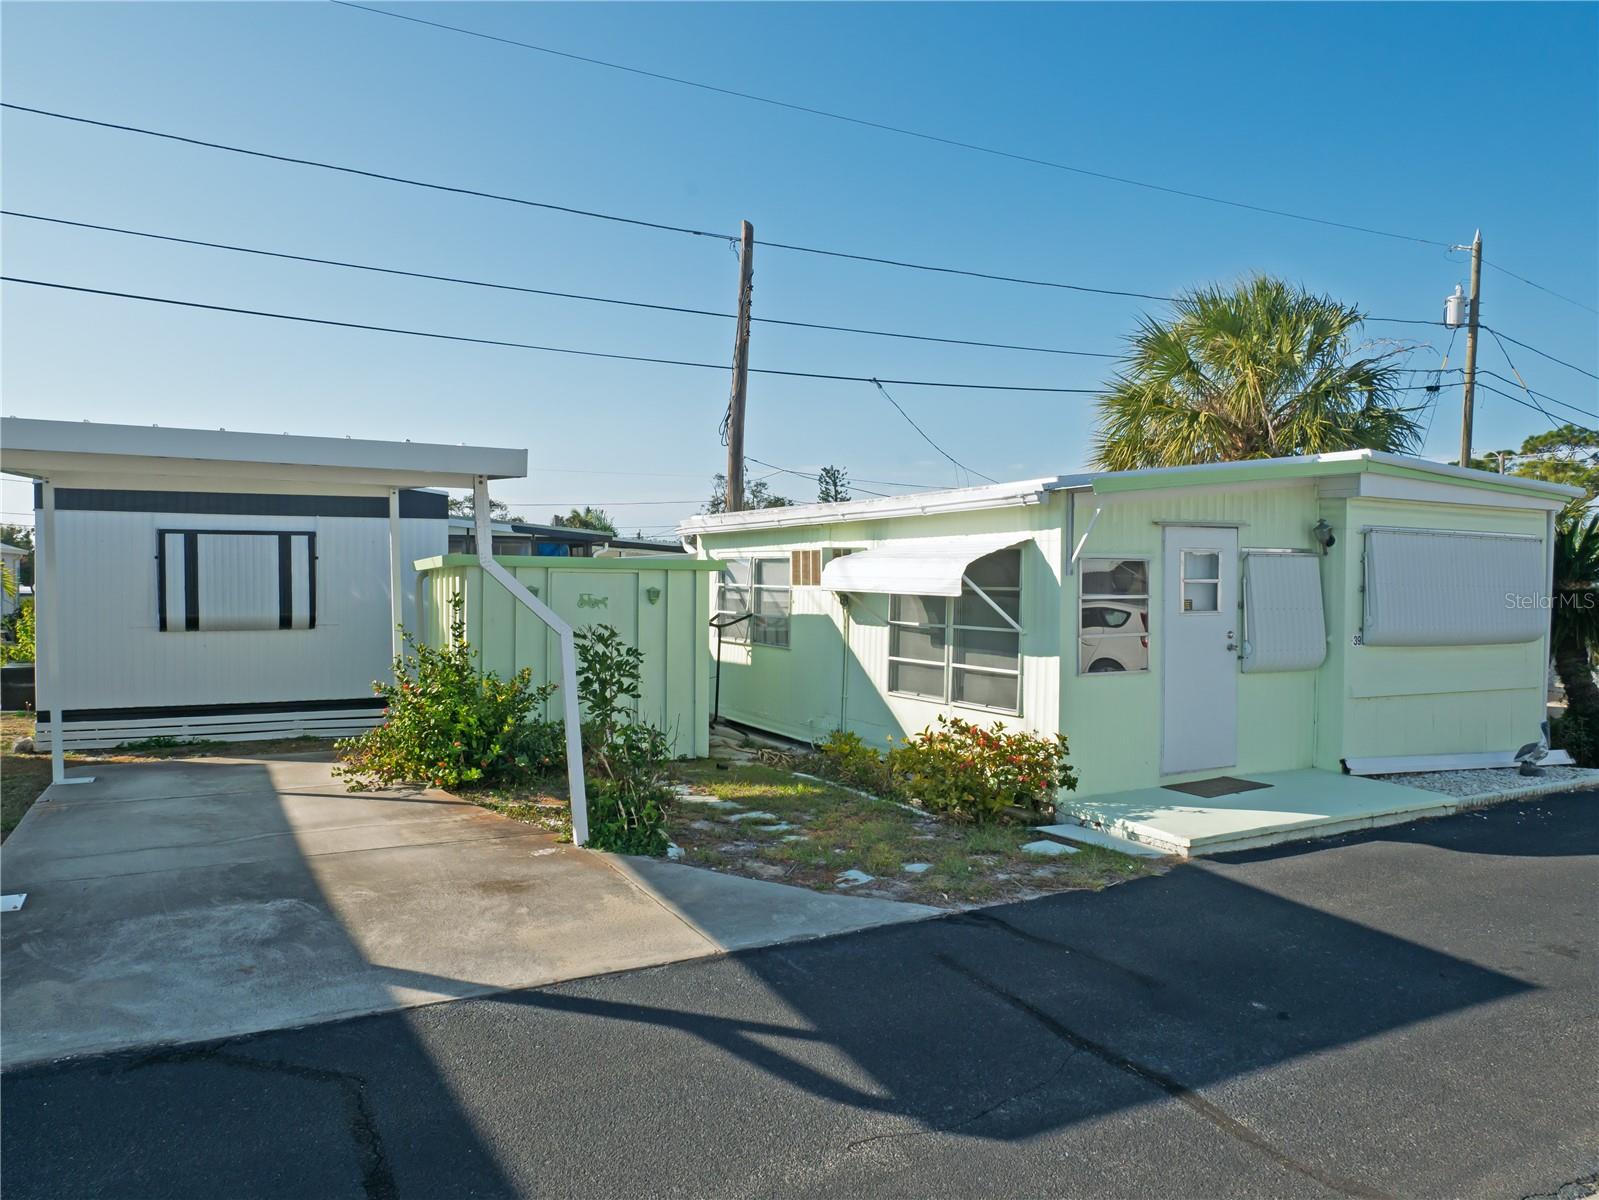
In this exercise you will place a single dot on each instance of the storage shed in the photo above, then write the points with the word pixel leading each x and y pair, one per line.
pixel 1354 612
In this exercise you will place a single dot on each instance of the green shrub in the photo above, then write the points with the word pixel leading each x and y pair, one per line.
pixel 625 758
pixel 975 773
pixel 846 758
pixel 19 624
pixel 452 726
pixel 1577 737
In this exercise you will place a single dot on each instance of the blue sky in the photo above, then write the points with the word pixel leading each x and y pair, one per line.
pixel 1426 119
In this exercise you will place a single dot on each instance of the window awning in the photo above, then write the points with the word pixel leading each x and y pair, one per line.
pixel 917 566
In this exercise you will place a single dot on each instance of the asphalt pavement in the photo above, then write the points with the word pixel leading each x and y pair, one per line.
pixel 1409 1012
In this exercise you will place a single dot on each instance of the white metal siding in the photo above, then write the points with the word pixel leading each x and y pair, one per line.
pixel 114 654
pixel 1429 587
pixel 1285 628
pixel 238 580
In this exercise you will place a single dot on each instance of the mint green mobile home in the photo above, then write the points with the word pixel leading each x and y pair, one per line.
pixel 1357 612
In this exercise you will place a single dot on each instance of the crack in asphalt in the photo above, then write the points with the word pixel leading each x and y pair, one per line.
pixel 1572 1189
pixel 1180 1092
pixel 989 921
pixel 377 1180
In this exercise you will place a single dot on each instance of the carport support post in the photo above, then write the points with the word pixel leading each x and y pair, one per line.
pixel 396 600
pixel 484 539
pixel 47 667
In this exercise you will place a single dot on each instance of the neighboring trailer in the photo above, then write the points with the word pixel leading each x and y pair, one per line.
pixel 187 616
pixel 659 605
pixel 1174 624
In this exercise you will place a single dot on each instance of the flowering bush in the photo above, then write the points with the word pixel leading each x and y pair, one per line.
pixel 963 769
pixel 451 726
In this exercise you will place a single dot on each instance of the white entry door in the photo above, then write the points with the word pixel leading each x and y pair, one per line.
pixel 1199 666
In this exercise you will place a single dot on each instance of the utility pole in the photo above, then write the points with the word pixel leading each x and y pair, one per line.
pixel 1468 392
pixel 741 370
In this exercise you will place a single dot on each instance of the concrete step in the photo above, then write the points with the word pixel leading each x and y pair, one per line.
pixel 1089 836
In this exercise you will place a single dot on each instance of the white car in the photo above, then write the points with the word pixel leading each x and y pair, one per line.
pixel 1114 636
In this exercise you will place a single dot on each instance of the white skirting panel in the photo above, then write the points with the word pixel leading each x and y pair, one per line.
pixel 94 734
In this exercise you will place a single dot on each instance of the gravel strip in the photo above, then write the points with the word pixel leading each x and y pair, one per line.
pixel 1498 781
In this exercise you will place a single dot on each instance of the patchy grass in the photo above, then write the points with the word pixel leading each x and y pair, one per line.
pixel 834 830
pixel 545 804
pixel 23 777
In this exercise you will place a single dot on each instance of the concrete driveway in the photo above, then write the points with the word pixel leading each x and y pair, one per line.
pixel 200 898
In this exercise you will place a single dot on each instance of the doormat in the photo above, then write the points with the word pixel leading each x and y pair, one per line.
pixel 1210 789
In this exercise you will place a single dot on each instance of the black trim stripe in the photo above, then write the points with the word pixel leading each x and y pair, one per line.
pixel 215 710
pixel 285 581
pixel 191 580
pixel 413 503
pixel 310 559
pixel 161 579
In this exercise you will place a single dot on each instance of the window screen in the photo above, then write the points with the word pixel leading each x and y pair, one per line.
pixel 961 650
pixel 761 589
pixel 1285 628
pixel 232 580
pixel 1432 587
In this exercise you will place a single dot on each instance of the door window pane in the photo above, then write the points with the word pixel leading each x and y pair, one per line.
pixel 1199 597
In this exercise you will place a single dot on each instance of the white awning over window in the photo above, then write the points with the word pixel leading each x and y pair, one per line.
pixel 1284 626
pixel 1438 587
pixel 916 566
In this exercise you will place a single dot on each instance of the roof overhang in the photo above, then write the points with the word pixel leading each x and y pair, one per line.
pixel 993 495
pixel 916 566
pixel 88 454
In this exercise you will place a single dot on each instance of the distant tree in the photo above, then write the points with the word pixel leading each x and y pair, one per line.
pixel 499 510
pixel 756 495
pixel 832 485
pixel 587 517
pixel 20 536
pixel 1574 628
pixel 1569 454
pixel 1260 370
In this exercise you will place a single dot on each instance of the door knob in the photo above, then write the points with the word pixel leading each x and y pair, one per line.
pixel 1232 645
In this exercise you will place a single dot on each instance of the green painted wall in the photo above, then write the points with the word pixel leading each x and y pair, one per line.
pixel 1114 720
pixel 821 682
pixel 1425 699
pixel 661 606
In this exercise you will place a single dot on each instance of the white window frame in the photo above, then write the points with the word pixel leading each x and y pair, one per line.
pixel 951 629
pixel 1184 579
pixel 747 632
pixel 1085 598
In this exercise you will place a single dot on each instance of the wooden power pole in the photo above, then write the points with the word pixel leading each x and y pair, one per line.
pixel 741 370
pixel 1468 391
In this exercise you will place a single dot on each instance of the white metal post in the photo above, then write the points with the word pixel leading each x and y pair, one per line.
pixel 396 597
pixel 484 539
pixel 47 634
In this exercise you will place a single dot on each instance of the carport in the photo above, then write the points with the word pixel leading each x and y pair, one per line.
pixel 195 472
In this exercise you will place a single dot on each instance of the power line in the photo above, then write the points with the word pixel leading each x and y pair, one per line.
pixel 931 487
pixel 897 129
pixel 365 174
pixel 1544 396
pixel 1488 387
pixel 878 384
pixel 455 337
pixel 602 216
pixel 1546 354
pixel 777 470
pixel 533 291
pixel 1530 283
pixel 1521 382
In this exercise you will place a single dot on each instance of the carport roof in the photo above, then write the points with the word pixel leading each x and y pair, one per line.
pixel 86 453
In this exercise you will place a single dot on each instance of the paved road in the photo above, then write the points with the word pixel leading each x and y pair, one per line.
pixel 1405 1013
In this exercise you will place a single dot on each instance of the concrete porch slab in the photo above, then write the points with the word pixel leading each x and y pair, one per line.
pixel 194 899
pixel 1297 805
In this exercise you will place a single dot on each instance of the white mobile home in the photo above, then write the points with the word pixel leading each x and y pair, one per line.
pixel 204 583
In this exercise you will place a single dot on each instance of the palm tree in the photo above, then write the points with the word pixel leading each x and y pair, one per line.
pixel 1574 623
pixel 1261 370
